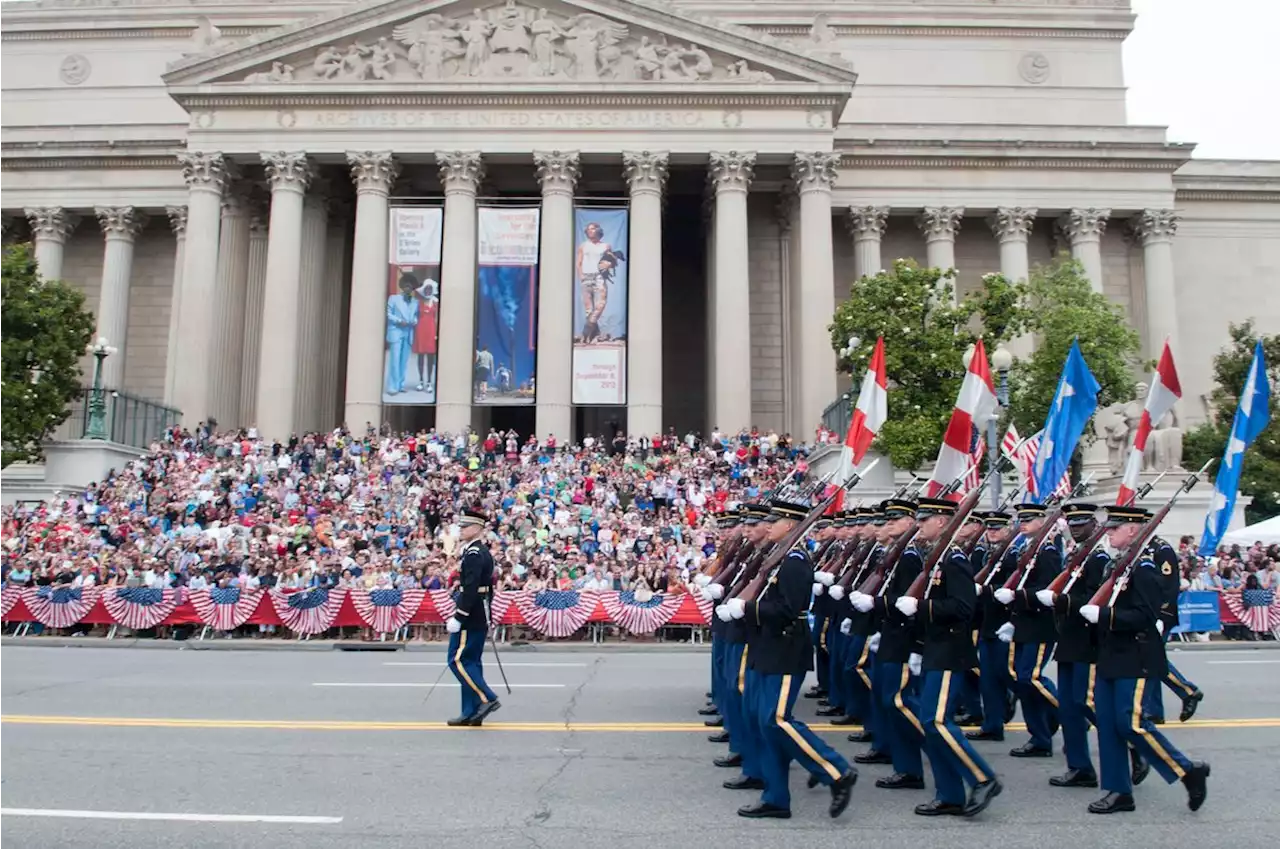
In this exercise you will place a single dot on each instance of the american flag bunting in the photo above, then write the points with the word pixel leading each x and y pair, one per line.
pixel 310 611
pixel 387 611
pixel 60 607
pixel 637 617
pixel 557 613
pixel 225 608
pixel 140 608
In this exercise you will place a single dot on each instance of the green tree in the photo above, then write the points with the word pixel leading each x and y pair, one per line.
pixel 925 340
pixel 45 331
pixel 1260 477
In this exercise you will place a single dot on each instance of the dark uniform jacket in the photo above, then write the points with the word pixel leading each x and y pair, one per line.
pixel 778 620
pixel 1166 560
pixel 1032 621
pixel 1129 644
pixel 477 586
pixel 993 614
pixel 899 637
pixel 1077 637
pixel 946 614
pixel 862 624
pixel 733 631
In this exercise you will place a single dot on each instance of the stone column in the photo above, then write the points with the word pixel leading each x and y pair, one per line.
pixel 1083 229
pixel 120 227
pixel 255 297
pixel 558 174
pixel 709 255
pixel 1011 226
pixel 787 214
pixel 331 319
pixel 178 222
pixel 50 227
pixel 460 173
pixel 373 174
pixel 226 363
pixel 646 174
pixel 206 175
pixel 311 306
pixel 867 225
pixel 940 225
pixel 1154 230
pixel 731 175
pixel 290 174
pixel 814 175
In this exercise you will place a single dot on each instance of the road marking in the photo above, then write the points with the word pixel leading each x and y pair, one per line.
pixel 365 725
pixel 148 815
pixel 1238 662
pixel 424 684
pixel 508 665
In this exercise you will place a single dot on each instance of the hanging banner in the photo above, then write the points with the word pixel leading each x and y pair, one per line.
pixel 506 305
pixel 600 305
pixel 413 305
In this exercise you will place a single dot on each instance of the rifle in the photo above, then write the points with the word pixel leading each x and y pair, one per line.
pixel 878 581
pixel 1106 594
pixel 966 506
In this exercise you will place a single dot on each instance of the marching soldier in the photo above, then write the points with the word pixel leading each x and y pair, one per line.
pixel 995 656
pixel 1188 693
pixel 860 657
pixel 823 533
pixel 855 686
pixel 469 624
pixel 725 523
pixel 1130 655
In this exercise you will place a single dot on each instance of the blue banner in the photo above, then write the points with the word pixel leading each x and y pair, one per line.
pixel 506 306
pixel 1198 612
pixel 600 305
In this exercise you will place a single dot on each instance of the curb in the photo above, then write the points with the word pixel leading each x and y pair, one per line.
pixel 343 645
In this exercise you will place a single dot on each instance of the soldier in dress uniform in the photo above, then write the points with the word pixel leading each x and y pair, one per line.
pixel 1188 693
pixel 944 618
pixel 780 653
pixel 823 533
pixel 862 625
pixel 1034 635
pixel 995 656
pixel 469 624
pixel 726 523
pixel 854 692
pixel 1130 655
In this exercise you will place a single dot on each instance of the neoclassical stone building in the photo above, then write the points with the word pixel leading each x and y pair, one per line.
pixel 217 177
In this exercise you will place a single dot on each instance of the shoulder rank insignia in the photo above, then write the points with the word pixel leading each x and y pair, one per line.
pixel 1166 568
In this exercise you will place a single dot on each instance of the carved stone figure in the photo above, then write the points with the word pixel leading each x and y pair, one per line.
pixel 475 34
pixel 354 64
pixel 1110 426
pixel 686 63
pixel 382 59
pixel 546 33
pixel 511 30
pixel 1163 450
pixel 431 41
pixel 328 63
pixel 743 73
pixel 648 59
pixel 592 44
pixel 279 73
pixel 821 31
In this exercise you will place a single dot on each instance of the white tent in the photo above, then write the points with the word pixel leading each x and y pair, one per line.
pixel 1268 530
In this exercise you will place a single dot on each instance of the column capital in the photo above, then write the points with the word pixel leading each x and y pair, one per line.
pixel 289 171
pixel 1080 224
pixel 867 222
pixel 203 170
pixel 645 170
pixel 177 220
pixel 1154 225
pixel 235 201
pixel 373 171
pixel 732 171
pixel 51 222
pixel 814 171
pixel 460 170
pixel 1012 223
pixel 940 222
pixel 120 222
pixel 557 170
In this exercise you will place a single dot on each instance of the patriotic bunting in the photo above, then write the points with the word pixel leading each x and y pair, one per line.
pixel 310 611
pixel 387 611
pixel 640 617
pixel 498 610
pixel 705 607
pixel 445 603
pixel 8 598
pixel 225 608
pixel 557 613
pixel 140 608
pixel 60 607
pixel 1258 610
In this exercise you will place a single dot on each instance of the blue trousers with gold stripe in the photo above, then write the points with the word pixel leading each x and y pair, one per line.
pixel 1076 684
pixel 785 739
pixel 1118 705
pixel 821 624
pixel 952 757
pixel 836 685
pixel 1153 698
pixel 717 671
pixel 903 730
pixel 465 649
pixel 733 706
pixel 1037 693
pixel 999 677
pixel 859 664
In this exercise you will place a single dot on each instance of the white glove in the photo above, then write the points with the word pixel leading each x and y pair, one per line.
pixel 706 594
pixel 1045 597
pixel 873 642
pixel 846 626
pixel 701 580
pixel 1004 596
pixel 453 626
pixel 862 602
pixel 1090 612
pixel 914 663
pixel 737 607
pixel 716 590
pixel 817 588
pixel 978 588
pixel 1005 632
pixel 907 605
pixel 826 578
pixel 837 592
pixel 1160 626
pixel 723 612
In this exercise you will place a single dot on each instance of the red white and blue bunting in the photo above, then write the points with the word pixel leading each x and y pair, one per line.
pixel 225 608
pixel 60 606
pixel 557 613
pixel 641 617
pixel 140 608
pixel 387 611
pixel 310 611
pixel 9 596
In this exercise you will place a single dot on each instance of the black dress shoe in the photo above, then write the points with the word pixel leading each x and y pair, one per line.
pixel 1189 705
pixel 815 693
pixel 1010 707
pixel 994 736
pixel 934 808
pixel 969 720
pixel 709 710
pixel 762 811
pixel 485 709
pixel 823 703
pixel 830 711
pixel 842 792
pixel 717 722
pixel 900 781
pixel 1197 783
pixel 458 722
pixel 863 736
pixel 1027 750
pixel 1139 769
pixel 812 781
pixel 846 720
pixel 981 795
pixel 729 761
pixel 1112 803
pixel 873 757
pixel 709 696
pixel 743 782
pixel 722 737
pixel 1075 778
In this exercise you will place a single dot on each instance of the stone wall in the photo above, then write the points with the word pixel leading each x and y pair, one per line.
pixel 767 368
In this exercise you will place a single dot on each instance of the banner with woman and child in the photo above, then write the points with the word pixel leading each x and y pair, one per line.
pixel 413 305
pixel 600 305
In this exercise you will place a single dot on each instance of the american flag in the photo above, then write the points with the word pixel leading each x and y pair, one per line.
pixel 225 608
pixel 141 607
pixel 557 613
pixel 1259 610
pixel 1025 459
pixel 8 598
pixel 310 611
pixel 387 611
pixel 445 602
pixel 641 617
pixel 60 607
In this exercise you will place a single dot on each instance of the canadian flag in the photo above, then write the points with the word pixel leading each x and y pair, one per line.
pixel 974 407
pixel 1164 393
pixel 869 415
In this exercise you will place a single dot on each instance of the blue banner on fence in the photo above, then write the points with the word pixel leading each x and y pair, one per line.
pixel 1198 613
pixel 507 305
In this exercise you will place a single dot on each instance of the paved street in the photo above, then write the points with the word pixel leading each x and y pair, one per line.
pixel 591 749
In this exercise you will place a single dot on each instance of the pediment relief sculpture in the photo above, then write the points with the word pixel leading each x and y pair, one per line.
pixel 511 41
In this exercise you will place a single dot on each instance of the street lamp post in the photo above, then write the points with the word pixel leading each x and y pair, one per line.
pixel 1001 361
pixel 97 425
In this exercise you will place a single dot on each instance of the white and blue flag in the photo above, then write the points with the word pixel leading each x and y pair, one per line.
pixel 1073 405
